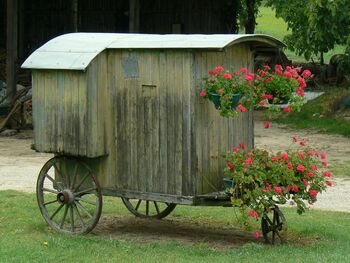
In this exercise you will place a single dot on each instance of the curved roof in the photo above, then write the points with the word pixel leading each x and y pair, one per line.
pixel 76 50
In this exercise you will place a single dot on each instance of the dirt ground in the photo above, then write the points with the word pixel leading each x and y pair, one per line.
pixel 19 165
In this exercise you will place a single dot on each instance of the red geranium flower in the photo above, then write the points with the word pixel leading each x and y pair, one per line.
pixel 241 108
pixel 295 188
pixel 327 173
pixel 203 93
pixel 227 76
pixel 290 166
pixel 235 149
pixel 221 91
pixel 284 156
pixel 310 174
pixel 248 161
pixel 267 124
pixel 253 213
pixel 242 145
pixel 274 158
pixel 300 168
pixel 313 193
pixel 329 183
pixel 277 189
pixel 323 156
pixel 244 70
pixel 219 68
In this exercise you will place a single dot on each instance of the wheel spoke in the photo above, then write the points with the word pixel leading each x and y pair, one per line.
pixel 66 171
pixel 49 190
pixel 58 171
pixel 82 181
pixel 84 209
pixel 147 208
pixel 74 175
pixel 57 210
pixel 85 201
pixel 138 204
pixel 71 213
pixel 50 202
pixel 79 216
pixel 157 208
pixel 64 217
pixel 86 191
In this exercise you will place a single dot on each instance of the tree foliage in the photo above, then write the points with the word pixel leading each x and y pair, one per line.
pixel 248 11
pixel 316 25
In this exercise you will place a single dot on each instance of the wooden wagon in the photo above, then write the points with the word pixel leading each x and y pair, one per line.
pixel 122 114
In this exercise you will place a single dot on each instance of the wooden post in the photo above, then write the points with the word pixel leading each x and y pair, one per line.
pixel 11 48
pixel 134 16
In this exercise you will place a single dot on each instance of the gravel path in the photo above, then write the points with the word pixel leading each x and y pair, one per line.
pixel 19 165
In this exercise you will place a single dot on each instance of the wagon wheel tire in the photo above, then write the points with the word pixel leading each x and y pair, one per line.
pixel 274 227
pixel 69 195
pixel 148 209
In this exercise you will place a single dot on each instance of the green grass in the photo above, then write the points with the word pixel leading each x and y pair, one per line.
pixel 319 114
pixel 314 237
pixel 268 24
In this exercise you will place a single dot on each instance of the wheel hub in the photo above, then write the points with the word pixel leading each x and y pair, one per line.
pixel 65 197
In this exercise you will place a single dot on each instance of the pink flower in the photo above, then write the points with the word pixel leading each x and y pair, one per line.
pixel 309 152
pixel 230 166
pixel 278 67
pixel 203 93
pixel 262 73
pixel 302 83
pixel 313 193
pixel 301 156
pixel 295 139
pixel 323 156
pixel 290 166
pixel 302 143
pixel 267 124
pixel 327 173
pixel 279 72
pixel 300 168
pixel 221 91
pixel 329 183
pixel 266 67
pixel 310 174
pixel 242 145
pixel 274 158
pixel 325 164
pixel 262 102
pixel 219 68
pixel 235 149
pixel 241 108
pixel 300 92
pixel 287 74
pixel 314 167
pixel 236 73
pixel 257 234
pixel 287 109
pixel 227 76
pixel 244 70
pixel 212 72
pixel 277 189
pixel 248 161
pixel 267 188
pixel 306 73
pixel 284 156
pixel 249 77
pixel 295 188
pixel 267 96
pixel 306 183
pixel 253 213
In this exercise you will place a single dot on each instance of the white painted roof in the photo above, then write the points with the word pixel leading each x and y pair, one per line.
pixel 76 50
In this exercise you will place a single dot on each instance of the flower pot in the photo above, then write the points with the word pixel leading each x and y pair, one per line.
pixel 228 183
pixel 216 99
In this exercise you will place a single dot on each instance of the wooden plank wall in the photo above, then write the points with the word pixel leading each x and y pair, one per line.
pixel 152 128
pixel 215 134
pixel 67 110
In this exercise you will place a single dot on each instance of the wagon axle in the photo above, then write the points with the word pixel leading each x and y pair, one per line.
pixel 65 197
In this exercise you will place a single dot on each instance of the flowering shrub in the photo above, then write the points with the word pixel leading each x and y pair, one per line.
pixel 263 180
pixel 266 87
pixel 226 85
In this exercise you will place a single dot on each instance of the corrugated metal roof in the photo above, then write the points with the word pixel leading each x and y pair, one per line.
pixel 75 51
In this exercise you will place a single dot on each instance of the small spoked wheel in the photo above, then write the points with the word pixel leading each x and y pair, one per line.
pixel 274 227
pixel 69 196
pixel 148 209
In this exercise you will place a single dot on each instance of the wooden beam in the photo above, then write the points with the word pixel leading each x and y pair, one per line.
pixel 74 8
pixel 11 48
pixel 134 16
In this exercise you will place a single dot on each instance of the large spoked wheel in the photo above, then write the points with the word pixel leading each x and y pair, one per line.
pixel 148 209
pixel 274 227
pixel 69 196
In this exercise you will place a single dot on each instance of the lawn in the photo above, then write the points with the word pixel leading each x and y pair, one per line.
pixel 267 23
pixel 320 114
pixel 313 237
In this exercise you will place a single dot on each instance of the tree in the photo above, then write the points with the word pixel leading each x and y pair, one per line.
pixel 316 25
pixel 247 14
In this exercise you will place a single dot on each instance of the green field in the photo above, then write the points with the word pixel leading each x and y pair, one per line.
pixel 313 237
pixel 267 23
